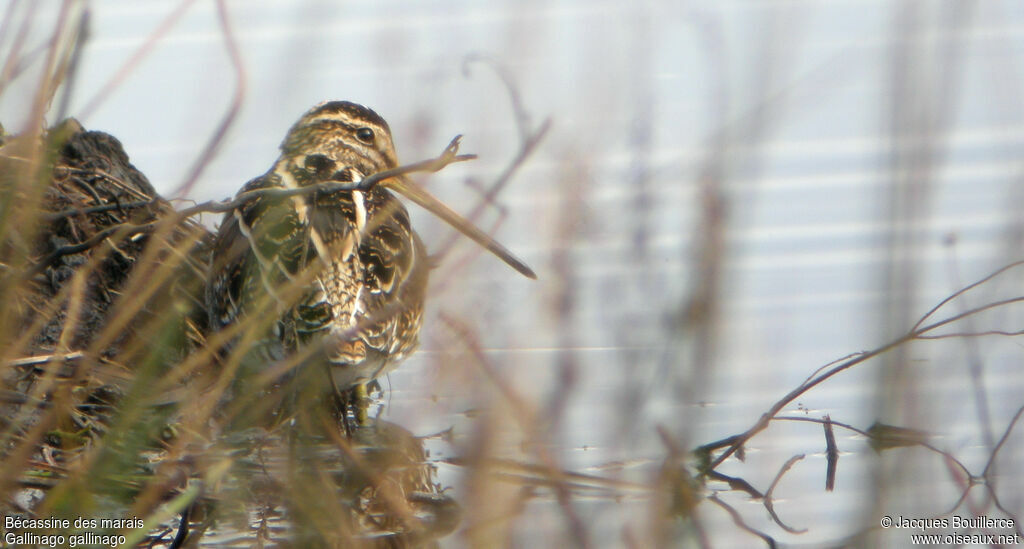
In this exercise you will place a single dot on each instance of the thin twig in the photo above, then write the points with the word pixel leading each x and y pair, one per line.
pixel 447 157
pixel 964 290
pixel 918 333
pixel 990 465
pixel 210 150
pixel 923 443
pixel 74 212
pixel 737 519
pixel 732 444
pixel 129 229
pixel 974 334
pixel 768 501
pixel 737 484
pixel 528 141
pixel 107 90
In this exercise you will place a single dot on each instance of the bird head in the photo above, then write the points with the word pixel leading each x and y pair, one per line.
pixel 338 141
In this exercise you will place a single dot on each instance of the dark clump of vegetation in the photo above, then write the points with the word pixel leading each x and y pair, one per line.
pixel 114 404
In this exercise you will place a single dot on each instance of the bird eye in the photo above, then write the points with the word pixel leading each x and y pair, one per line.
pixel 365 135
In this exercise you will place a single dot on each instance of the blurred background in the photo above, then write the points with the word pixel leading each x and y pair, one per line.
pixel 719 198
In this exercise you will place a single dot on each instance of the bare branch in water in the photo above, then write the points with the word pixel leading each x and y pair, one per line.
pixel 920 331
pixel 768 500
pixel 831 455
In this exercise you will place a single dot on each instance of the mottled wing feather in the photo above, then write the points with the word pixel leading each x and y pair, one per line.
pixel 259 247
pixel 231 254
pixel 367 295
pixel 378 290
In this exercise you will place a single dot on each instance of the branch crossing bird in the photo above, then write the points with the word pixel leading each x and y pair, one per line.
pixel 341 274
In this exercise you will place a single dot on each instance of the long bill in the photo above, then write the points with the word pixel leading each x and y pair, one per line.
pixel 426 200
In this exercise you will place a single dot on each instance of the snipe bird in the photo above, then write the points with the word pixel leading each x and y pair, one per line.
pixel 344 269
